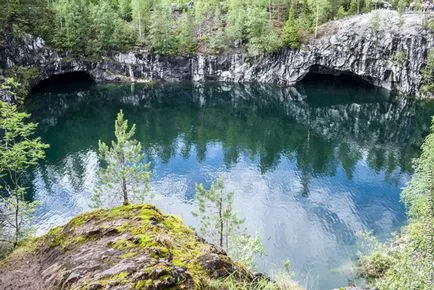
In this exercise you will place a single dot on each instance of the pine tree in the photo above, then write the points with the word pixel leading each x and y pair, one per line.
pixel 290 34
pixel 304 20
pixel 216 214
pixel 103 17
pixel 341 12
pixel 353 7
pixel 161 31
pixel 124 173
pixel 125 10
pixel 186 39
pixel 219 223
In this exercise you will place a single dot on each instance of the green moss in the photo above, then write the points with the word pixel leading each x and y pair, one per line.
pixel 58 240
pixel 128 255
pixel 120 276
pixel 123 244
pixel 145 231
pixel 175 224
pixel 55 231
pixel 144 284
pixel 117 279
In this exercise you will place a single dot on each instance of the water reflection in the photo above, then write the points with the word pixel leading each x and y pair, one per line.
pixel 311 165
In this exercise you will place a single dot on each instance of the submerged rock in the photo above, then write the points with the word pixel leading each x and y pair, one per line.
pixel 129 247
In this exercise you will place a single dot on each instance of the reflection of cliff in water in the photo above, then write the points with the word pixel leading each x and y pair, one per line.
pixel 321 127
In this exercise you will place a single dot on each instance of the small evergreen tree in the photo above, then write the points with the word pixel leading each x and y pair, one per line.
pixel 161 31
pixel 290 35
pixel 353 7
pixel 304 20
pixel 217 41
pixel 220 224
pixel 216 214
pixel 104 18
pixel 186 39
pixel 260 33
pixel 19 151
pixel 124 174
pixel 341 12
pixel 427 73
pixel 125 10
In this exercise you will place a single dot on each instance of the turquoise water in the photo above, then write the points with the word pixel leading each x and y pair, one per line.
pixel 311 166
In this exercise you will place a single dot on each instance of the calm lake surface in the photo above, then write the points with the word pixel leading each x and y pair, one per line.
pixel 311 166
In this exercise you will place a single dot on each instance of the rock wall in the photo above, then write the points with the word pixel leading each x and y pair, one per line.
pixel 382 48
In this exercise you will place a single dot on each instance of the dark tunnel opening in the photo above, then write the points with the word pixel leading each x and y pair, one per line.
pixel 66 81
pixel 327 75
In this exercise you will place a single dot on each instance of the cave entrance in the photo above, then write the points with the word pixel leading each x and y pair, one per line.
pixel 326 75
pixel 327 87
pixel 66 81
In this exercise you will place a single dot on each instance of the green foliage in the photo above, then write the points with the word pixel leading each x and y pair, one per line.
pixel 321 12
pixel 305 19
pixel 217 40
pixel 92 27
pixel 399 57
pixel 401 5
pixel 124 173
pixel 290 34
pixel 72 25
pixel 244 249
pixel 374 266
pixel 428 74
pixel 341 12
pixel 125 10
pixel 353 7
pixel 217 219
pixel 418 194
pixel 186 41
pixel 261 37
pixel 408 263
pixel 87 28
pixel 236 17
pixel 19 151
pixel 161 33
pixel 220 224
pixel 9 89
pixel 34 17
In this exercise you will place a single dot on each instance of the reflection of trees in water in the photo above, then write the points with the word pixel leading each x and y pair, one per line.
pixel 319 130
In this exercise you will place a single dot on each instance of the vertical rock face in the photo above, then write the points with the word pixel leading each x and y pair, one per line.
pixel 383 48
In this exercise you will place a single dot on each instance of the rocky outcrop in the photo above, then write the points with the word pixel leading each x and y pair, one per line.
pixel 129 247
pixel 383 48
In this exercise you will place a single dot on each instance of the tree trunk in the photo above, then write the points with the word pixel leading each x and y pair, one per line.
pixel 221 220
pixel 140 21
pixel 317 19
pixel 124 191
pixel 17 224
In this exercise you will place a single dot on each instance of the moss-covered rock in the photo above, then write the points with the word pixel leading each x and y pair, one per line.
pixel 128 247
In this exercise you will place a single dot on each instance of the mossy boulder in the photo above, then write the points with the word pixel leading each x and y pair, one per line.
pixel 128 247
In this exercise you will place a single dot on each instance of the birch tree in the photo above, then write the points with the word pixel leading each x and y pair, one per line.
pixel 19 151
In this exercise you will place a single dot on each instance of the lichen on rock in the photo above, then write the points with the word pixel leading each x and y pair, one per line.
pixel 128 247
